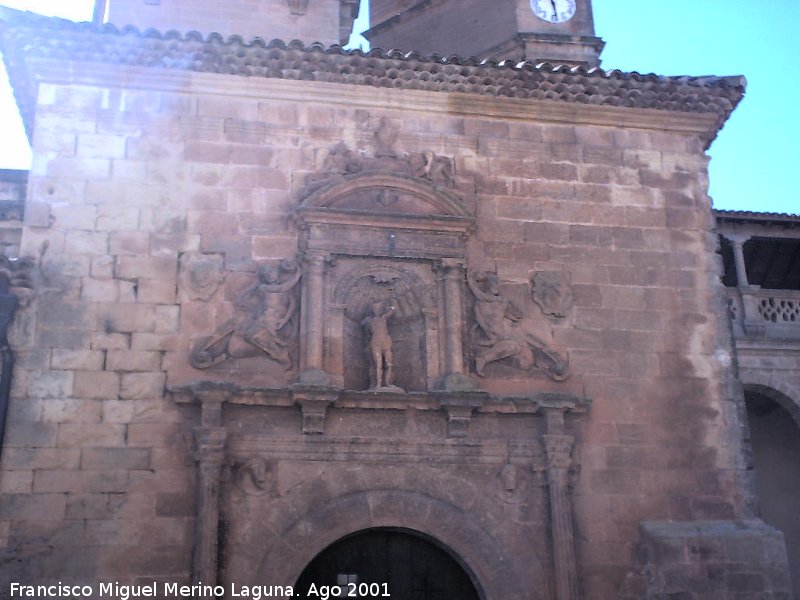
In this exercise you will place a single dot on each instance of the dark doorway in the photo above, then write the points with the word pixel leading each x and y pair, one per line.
pixel 386 563
pixel 775 439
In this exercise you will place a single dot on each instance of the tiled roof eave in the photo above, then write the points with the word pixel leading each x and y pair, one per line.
pixel 26 38
pixel 762 218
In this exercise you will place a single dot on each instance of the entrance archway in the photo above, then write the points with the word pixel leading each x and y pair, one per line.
pixel 775 441
pixel 399 563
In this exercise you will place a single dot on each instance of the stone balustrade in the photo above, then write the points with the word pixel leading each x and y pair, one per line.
pixel 758 312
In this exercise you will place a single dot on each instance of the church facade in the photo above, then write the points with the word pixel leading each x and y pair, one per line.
pixel 296 316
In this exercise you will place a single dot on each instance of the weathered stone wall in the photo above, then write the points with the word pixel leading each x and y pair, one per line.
pixel 97 471
pixel 13 189
pixel 709 560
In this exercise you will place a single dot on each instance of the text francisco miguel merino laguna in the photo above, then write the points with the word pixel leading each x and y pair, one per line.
pixel 165 590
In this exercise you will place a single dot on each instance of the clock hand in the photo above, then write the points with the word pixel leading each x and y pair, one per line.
pixel 555 10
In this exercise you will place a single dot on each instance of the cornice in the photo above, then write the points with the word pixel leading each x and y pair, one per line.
pixel 313 92
pixel 504 90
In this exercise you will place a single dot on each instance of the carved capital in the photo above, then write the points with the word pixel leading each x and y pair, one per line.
pixel 559 451
pixel 210 444
pixel 449 269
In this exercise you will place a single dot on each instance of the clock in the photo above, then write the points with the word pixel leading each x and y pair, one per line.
pixel 553 11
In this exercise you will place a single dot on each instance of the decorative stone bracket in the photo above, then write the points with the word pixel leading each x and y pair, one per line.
pixel 459 408
pixel 314 405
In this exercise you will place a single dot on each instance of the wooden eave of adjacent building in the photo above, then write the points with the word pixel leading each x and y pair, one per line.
pixel 772 250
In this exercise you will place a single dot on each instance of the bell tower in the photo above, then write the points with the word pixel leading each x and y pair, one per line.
pixel 325 21
pixel 556 31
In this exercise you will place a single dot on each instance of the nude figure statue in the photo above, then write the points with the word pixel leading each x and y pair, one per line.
pixel 380 344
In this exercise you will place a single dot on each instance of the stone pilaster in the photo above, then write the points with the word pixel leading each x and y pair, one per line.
pixel 454 352
pixel 451 273
pixel 558 447
pixel 313 321
pixel 210 439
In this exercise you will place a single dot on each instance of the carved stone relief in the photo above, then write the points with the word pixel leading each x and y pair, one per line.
pixel 255 476
pixel 265 323
pixel 200 274
pixel 551 290
pixel 341 162
pixel 502 332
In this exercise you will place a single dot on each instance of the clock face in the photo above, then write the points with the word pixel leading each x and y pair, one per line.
pixel 553 11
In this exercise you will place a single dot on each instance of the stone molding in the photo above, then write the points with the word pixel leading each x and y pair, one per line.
pixel 370 400
pixel 48 43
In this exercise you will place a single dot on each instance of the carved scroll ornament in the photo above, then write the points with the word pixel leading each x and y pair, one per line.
pixel 499 336
pixel 265 323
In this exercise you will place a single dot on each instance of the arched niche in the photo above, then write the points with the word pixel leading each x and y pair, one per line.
pixel 376 237
pixel 403 286
pixel 775 445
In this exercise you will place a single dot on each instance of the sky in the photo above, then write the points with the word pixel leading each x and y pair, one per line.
pixel 752 160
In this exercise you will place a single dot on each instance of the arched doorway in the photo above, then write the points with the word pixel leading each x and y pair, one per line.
pixel 400 564
pixel 775 441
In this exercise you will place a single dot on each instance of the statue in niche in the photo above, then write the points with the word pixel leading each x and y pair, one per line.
pixel 266 322
pixel 499 335
pixel 376 324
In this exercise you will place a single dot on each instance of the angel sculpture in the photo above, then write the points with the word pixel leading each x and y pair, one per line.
pixel 265 323
pixel 498 334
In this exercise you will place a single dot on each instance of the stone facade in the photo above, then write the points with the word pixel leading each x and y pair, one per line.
pixel 192 398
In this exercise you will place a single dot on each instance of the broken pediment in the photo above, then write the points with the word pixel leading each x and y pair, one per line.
pixel 380 214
